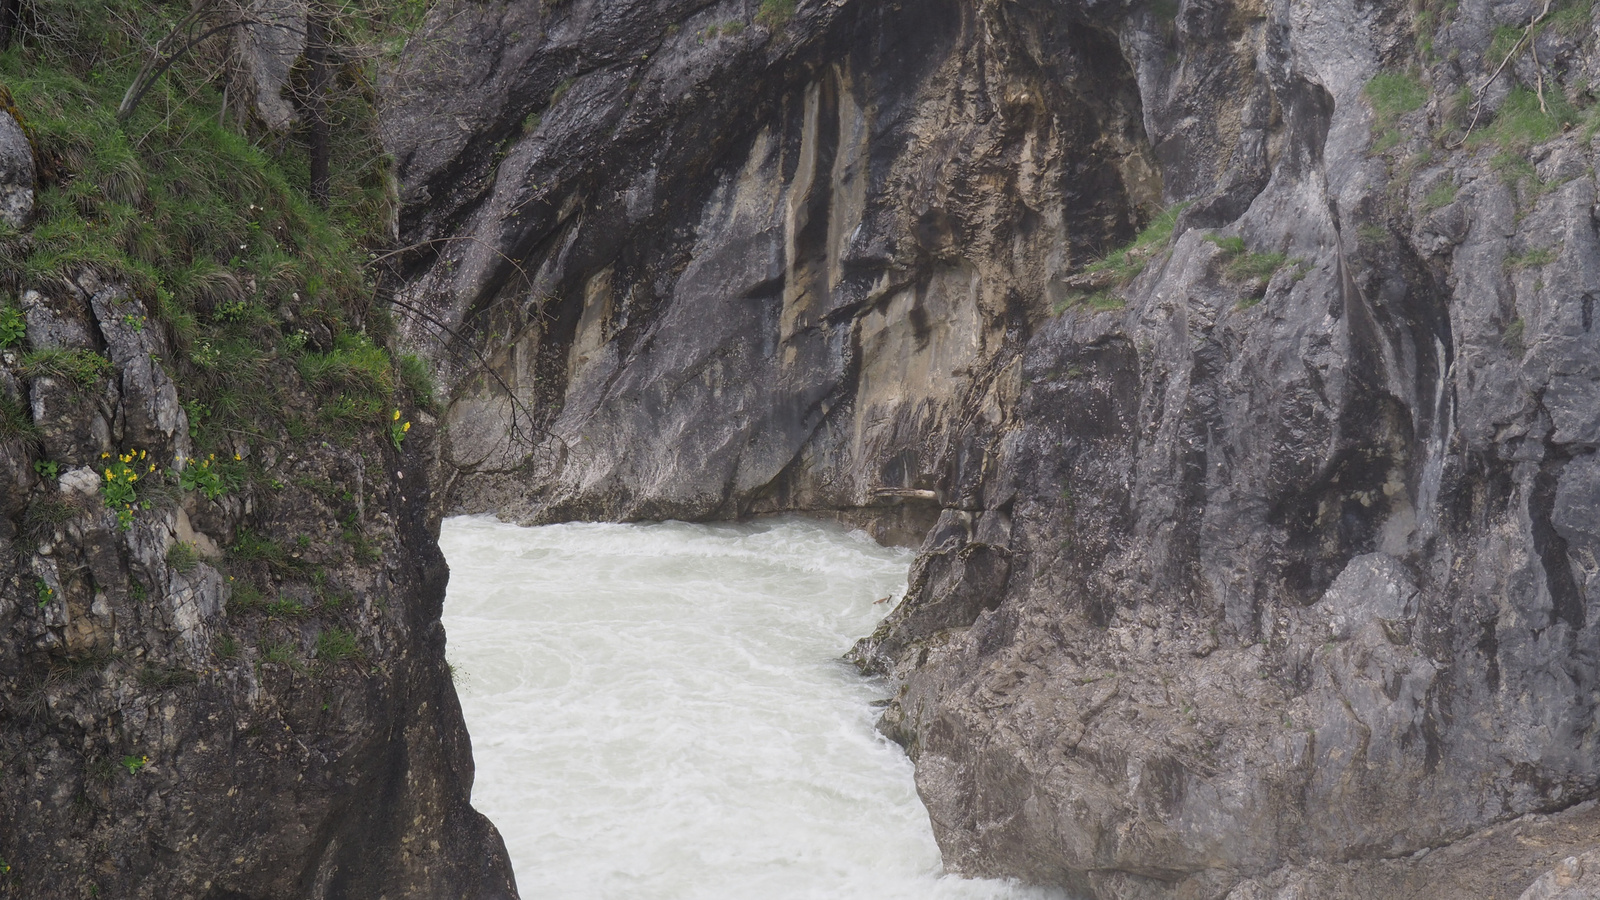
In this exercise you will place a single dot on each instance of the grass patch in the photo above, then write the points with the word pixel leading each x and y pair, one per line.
pixel 774 14
pixel 245 597
pixel 16 421
pixel 84 369
pixel 212 230
pixel 183 557
pixel 281 653
pixel 1393 94
pixel 1240 265
pixel 1512 337
pixel 1521 123
pixel 1127 262
pixel 1531 259
pixel 337 644
pixel 1443 194
pixel 417 376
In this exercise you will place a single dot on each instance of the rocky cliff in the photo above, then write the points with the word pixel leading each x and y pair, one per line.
pixel 222 671
pixel 1234 358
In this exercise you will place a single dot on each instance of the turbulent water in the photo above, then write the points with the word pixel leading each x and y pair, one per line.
pixel 659 711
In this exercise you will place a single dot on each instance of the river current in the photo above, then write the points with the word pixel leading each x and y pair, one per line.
pixel 659 712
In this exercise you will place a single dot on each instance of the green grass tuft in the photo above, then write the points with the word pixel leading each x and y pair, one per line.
pixel 1393 94
pixel 774 14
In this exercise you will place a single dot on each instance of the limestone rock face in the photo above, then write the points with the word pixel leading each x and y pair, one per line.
pixel 1574 878
pixel 1255 559
pixel 164 732
pixel 16 173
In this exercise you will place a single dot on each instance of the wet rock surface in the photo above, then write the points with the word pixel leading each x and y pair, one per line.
pixel 1263 573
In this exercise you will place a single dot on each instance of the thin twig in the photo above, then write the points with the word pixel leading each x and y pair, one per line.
pixel 1477 104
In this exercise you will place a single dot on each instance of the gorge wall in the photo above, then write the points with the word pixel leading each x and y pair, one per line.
pixel 222 671
pixel 1255 561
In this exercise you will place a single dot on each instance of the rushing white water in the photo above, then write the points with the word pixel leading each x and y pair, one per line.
pixel 659 711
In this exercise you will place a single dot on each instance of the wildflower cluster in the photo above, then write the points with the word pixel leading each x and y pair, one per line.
pixel 119 486
pixel 208 476
pixel 398 429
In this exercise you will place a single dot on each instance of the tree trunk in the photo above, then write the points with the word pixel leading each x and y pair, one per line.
pixel 317 102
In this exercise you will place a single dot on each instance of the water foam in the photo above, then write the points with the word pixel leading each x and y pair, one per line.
pixel 658 712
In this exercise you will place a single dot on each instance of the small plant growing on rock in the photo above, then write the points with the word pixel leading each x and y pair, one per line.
pixel 83 368
pixel 337 644
pixel 398 430
pixel 12 327
pixel 43 592
pixel 119 486
pixel 775 14
pixel 1095 285
pixel 211 478
pixel 47 469
pixel 135 764
pixel 182 557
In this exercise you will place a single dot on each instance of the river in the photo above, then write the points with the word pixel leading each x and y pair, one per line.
pixel 659 712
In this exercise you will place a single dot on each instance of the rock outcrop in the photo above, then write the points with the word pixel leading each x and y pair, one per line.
pixel 286 730
pixel 1261 549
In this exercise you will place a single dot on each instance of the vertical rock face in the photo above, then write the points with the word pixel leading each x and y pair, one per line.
pixel 727 266
pixel 165 734
pixel 1245 571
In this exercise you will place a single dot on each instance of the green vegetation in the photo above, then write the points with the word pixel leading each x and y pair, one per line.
pixel 183 557
pixel 1240 265
pixel 1127 262
pixel 1511 337
pixel 774 14
pixel 1393 94
pixel 135 764
pixel 84 369
pixel 1443 194
pixel 210 222
pixel 337 644
pixel 281 653
pixel 43 593
pixel 1523 122
pixel 1124 264
pixel 13 328
pixel 1531 259
pixel 1571 18
pixel 16 422
pixel 120 484
pixel 211 478
pixel 227 647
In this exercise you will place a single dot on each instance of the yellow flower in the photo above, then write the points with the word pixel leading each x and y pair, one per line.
pixel 108 475
pixel 407 427
pixel 152 467
pixel 236 457
pixel 397 415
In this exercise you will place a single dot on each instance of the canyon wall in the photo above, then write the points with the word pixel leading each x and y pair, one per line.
pixel 1255 550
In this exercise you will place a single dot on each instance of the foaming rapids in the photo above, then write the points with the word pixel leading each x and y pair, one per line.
pixel 659 711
